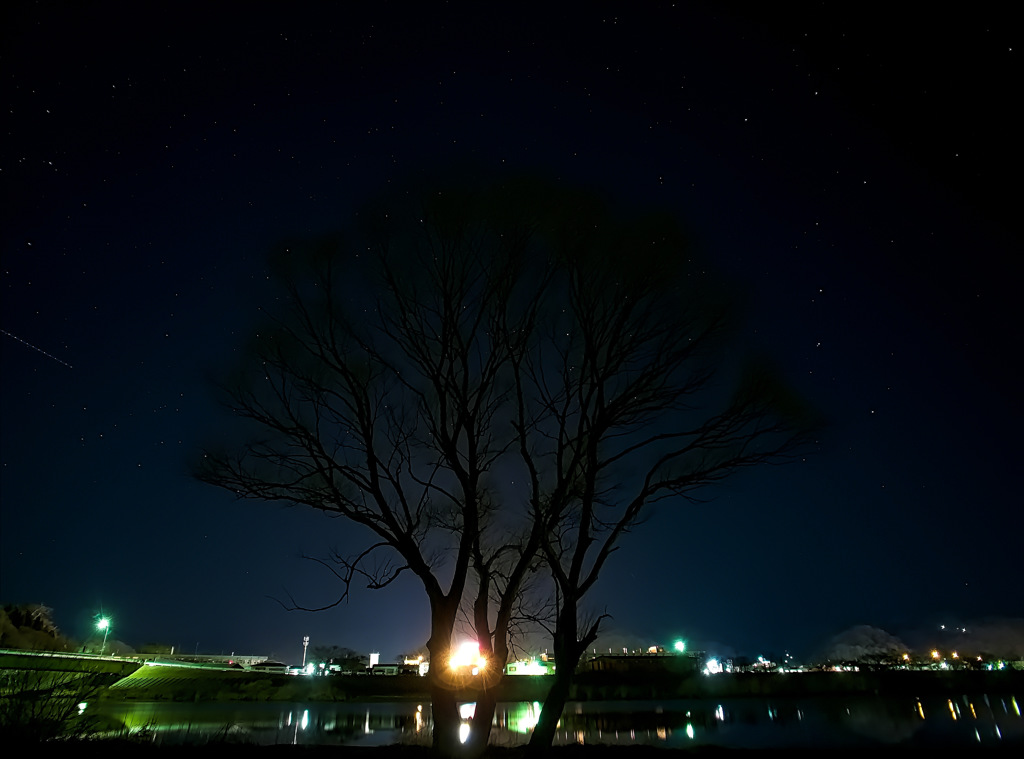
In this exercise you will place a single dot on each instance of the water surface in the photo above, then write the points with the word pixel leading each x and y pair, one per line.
pixel 832 722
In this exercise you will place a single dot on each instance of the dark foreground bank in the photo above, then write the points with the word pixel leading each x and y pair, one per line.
pixel 107 749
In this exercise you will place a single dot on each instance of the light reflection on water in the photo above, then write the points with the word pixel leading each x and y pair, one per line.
pixel 739 723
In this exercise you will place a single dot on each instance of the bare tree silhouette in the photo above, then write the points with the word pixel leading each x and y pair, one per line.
pixel 467 339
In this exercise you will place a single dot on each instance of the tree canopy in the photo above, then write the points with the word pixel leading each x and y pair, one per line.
pixel 31 626
pixel 461 339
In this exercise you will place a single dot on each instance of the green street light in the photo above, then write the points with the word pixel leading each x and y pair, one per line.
pixel 103 623
pixel 680 646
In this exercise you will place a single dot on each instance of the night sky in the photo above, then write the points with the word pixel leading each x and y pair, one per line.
pixel 855 173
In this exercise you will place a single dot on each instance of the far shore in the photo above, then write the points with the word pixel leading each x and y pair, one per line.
pixel 199 685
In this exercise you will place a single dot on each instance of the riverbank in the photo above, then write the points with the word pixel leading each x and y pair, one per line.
pixel 798 685
pixel 117 749
pixel 182 684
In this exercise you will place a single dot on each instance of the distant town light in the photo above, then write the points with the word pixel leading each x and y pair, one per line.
pixel 713 667
pixel 532 667
pixel 680 646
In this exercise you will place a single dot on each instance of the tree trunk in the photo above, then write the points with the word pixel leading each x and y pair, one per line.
pixel 554 704
pixel 444 710
pixel 480 727
pixel 493 647
pixel 445 715
pixel 568 651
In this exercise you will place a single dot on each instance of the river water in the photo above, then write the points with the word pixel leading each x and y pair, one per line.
pixel 834 722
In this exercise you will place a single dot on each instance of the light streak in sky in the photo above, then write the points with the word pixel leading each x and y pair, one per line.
pixel 37 348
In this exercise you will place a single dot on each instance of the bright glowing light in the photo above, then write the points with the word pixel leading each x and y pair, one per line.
pixel 103 623
pixel 464 655
pixel 956 655
pixel 532 667
pixel 689 731
pixel 468 655
pixel 680 646
pixel 713 667
pixel 935 654
pixel 906 657
pixel 463 732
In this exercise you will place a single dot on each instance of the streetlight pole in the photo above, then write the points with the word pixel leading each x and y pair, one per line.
pixel 305 645
pixel 103 624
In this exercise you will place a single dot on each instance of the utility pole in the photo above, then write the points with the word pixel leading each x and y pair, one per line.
pixel 305 645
